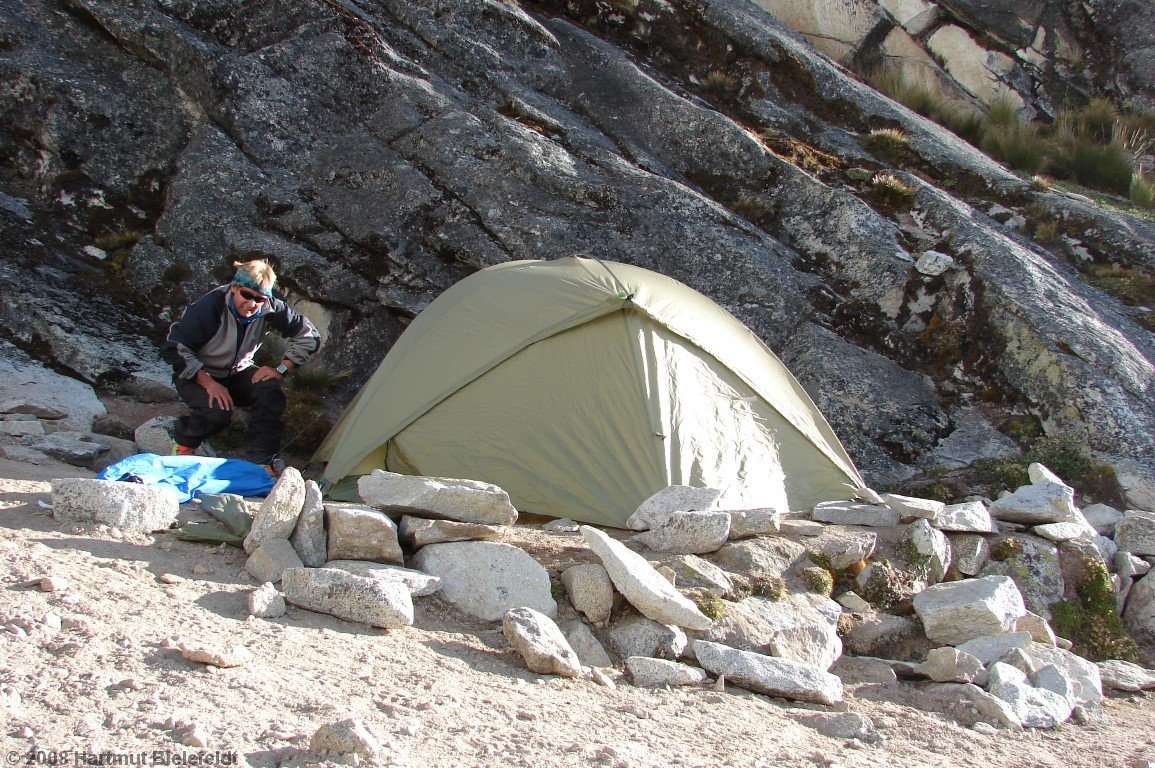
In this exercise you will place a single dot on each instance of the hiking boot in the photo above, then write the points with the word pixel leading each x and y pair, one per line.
pixel 183 450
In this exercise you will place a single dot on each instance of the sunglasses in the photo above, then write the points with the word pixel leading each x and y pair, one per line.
pixel 248 295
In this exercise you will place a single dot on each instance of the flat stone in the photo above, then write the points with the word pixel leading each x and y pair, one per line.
pixel 374 602
pixel 346 737
pixel 1061 531
pixel 1102 517
pixel 745 523
pixel 675 498
pixel 634 635
pixel 642 585
pixel 761 558
pixel 768 675
pixel 911 506
pixel 487 578
pixel 127 506
pixel 691 533
pixel 419 584
pixel 848 513
pixel 1121 675
pixel 658 673
pixel 951 665
pixel 416 532
pixel 800 528
pixel 225 658
pixel 1037 504
pixel 966 517
pixel 990 648
pixel 844 546
pixel 969 552
pixel 694 572
pixel 838 725
pixel 1135 533
pixel 795 627
pixel 466 501
pixel 590 651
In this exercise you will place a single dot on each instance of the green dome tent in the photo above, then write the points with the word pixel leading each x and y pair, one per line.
pixel 583 387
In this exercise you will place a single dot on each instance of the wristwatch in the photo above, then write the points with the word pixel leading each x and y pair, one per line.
pixel 282 369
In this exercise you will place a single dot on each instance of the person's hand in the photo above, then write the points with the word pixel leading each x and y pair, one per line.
pixel 219 396
pixel 265 372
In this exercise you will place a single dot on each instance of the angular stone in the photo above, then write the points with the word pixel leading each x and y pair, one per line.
pixel 225 658
pixel 590 651
pixel 1119 675
pixel 642 585
pixel 278 513
pixel 688 533
pixel 966 702
pixel 539 641
pixel 848 513
pixel 853 603
pixel 792 628
pixel 270 560
pixel 466 501
pixel 416 532
pixel 638 636
pixel 1037 504
pixel 75 448
pixel 1084 675
pixel 1034 707
pixel 910 506
pixel 1062 531
pixel 649 672
pixel 969 552
pixel 745 523
pixel 762 558
pixel 419 584
pixel 838 725
pixel 884 634
pixel 692 571
pixel 361 533
pixel 1102 517
pixel 966 517
pixel 590 590
pixel 768 675
pixel 958 611
pixel 1037 627
pixel 800 528
pixel 374 602
pixel 486 578
pixel 844 546
pixel 265 602
pixel 347 737
pixel 155 435
pixel 309 534
pixel 19 428
pixel 1036 569
pixel 1135 532
pixel 990 648
pixel 951 665
pixel 127 506
pixel 933 546
pixel 675 498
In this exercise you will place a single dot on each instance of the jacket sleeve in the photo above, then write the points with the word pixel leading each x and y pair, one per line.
pixel 186 336
pixel 303 337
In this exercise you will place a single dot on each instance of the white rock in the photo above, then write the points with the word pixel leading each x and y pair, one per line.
pixel 745 523
pixel 951 665
pixel 1035 707
pixel 642 585
pixel 966 517
pixel 539 641
pixel 847 513
pixel 352 598
pixel 588 648
pixel 361 533
pixel 693 571
pixel 844 546
pixel 933 263
pixel 127 506
pixel 347 737
pixel 853 603
pixel 958 611
pixel 990 648
pixel 1135 533
pixel 1061 531
pixel 265 602
pixel 1129 566
pixel 1038 504
pixel 590 590
pixel 634 635
pixel 53 584
pixel 768 675
pixel 932 544
pixel 1083 673
pixel 794 527
pixel 969 552
pixel 309 533
pixel 1038 628
pixel 235 656
pixel 271 559
pixel 28 386
pixel 1119 675
pixel 561 525
pixel 690 533
pixel 419 584
pixel 466 501
pixel 277 516
pixel 910 506
pixel 1102 517
pixel 485 578
pixel 657 673
pixel 675 498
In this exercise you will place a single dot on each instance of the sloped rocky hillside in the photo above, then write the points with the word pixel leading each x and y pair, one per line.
pixel 382 150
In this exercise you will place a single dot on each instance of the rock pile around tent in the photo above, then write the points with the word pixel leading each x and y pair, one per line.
pixel 959 599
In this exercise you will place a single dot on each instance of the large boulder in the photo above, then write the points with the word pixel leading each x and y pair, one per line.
pixel 466 501
pixel 127 506
pixel 486 579
pixel 958 611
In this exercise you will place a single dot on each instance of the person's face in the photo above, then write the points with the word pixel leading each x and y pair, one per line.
pixel 247 301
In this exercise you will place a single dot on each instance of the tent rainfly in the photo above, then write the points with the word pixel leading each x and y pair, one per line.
pixel 583 387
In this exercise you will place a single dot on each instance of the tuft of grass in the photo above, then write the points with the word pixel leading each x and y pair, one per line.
pixel 1062 454
pixel 1005 549
pixel 817 580
pixel 769 587
pixel 719 82
pixel 1019 145
pixel 1132 285
pixel 1092 622
pixel 891 193
pixel 888 143
pixel 1142 193
pixel 1047 232
pixel 708 603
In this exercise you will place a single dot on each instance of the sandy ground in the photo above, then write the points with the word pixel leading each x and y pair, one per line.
pixel 89 675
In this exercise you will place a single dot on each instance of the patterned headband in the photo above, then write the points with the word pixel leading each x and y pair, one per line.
pixel 245 280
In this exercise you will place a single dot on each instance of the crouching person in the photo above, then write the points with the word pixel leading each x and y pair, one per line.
pixel 211 351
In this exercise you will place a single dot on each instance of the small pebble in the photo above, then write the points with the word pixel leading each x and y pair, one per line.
pixel 199 570
pixel 53 584
pixel 170 578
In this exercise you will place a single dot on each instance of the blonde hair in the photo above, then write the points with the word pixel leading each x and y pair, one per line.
pixel 256 273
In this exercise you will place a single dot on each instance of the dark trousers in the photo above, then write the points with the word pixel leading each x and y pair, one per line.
pixel 266 404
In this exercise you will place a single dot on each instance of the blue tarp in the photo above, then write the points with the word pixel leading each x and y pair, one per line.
pixel 190 475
